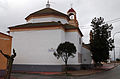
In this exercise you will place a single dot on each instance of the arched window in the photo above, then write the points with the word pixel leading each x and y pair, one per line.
pixel 71 16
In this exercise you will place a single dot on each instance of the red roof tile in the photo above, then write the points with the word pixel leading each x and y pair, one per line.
pixel 71 10
pixel 47 11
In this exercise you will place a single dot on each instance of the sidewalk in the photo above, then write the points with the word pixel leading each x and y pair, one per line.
pixel 105 67
pixel 108 66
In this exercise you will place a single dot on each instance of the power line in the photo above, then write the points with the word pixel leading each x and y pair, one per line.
pixel 113 21
pixel 110 21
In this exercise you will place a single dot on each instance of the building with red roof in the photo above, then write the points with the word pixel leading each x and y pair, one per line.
pixel 5 46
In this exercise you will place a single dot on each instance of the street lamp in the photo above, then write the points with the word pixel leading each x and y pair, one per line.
pixel 114 43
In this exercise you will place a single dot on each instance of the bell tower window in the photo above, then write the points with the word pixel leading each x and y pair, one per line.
pixel 72 17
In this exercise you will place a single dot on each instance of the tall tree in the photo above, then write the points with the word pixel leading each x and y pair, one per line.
pixel 64 51
pixel 100 41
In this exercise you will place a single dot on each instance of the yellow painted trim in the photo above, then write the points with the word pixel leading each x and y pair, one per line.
pixel 39 28
pixel 71 30
pixel 44 28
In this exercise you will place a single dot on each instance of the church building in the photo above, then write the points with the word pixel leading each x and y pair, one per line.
pixel 36 41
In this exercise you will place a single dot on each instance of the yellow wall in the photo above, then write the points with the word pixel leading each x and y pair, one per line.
pixel 5 46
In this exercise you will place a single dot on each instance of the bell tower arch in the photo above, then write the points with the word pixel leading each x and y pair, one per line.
pixel 72 15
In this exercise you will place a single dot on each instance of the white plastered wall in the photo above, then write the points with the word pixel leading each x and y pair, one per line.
pixel 86 56
pixel 48 19
pixel 73 37
pixel 33 47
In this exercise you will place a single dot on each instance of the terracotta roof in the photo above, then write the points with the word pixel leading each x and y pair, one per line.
pixel 46 11
pixel 36 25
pixel 5 34
pixel 68 26
pixel 44 24
pixel 71 10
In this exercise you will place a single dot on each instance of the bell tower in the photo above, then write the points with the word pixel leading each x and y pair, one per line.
pixel 72 15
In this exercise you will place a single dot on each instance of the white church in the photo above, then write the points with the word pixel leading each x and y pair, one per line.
pixel 45 29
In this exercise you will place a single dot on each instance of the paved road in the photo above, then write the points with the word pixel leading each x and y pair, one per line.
pixel 112 74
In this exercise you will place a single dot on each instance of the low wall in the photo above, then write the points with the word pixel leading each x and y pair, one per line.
pixel 49 68
pixel 37 68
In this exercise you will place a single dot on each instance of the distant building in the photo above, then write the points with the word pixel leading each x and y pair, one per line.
pixel 36 40
pixel 5 46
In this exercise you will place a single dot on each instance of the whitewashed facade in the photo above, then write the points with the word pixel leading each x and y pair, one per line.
pixel 86 56
pixel 33 43
pixel 34 46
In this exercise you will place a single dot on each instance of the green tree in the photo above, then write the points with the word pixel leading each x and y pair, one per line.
pixel 101 42
pixel 64 51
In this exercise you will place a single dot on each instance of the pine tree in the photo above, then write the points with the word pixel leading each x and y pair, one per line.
pixel 101 42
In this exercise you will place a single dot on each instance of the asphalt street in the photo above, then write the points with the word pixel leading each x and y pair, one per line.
pixel 111 74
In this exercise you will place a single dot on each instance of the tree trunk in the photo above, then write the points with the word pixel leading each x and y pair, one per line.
pixel 66 68
pixel 9 69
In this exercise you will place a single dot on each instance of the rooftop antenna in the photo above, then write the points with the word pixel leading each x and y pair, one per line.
pixel 48 4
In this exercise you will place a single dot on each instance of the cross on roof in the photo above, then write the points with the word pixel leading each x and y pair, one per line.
pixel 48 4
pixel 71 5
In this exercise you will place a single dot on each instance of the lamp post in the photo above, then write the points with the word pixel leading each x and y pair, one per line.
pixel 114 43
